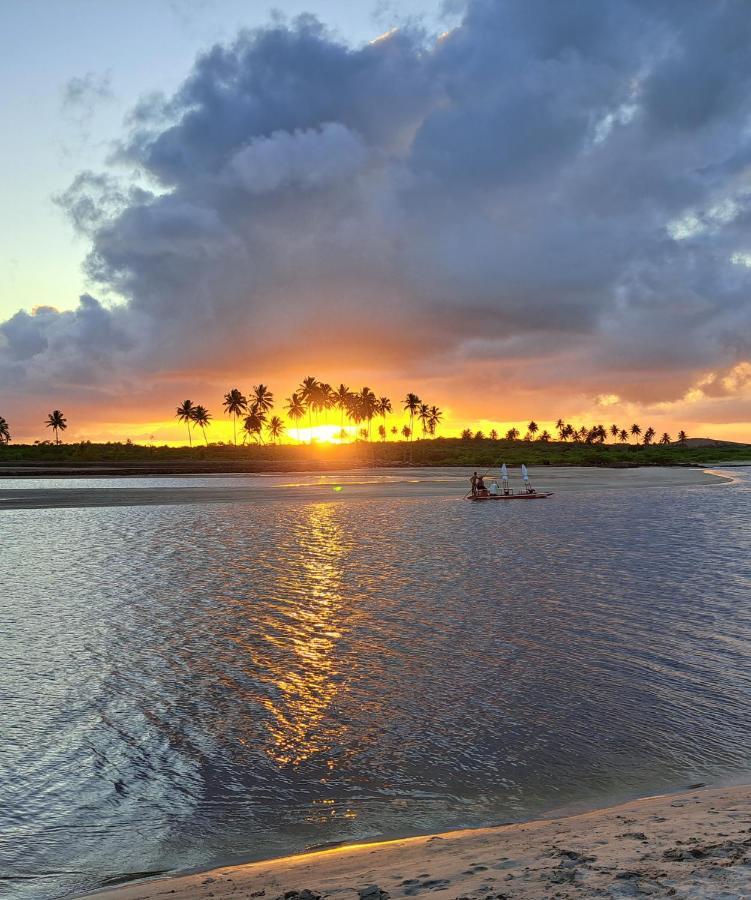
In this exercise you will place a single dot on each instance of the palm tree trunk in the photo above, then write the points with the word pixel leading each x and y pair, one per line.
pixel 234 426
pixel 190 436
pixel 204 435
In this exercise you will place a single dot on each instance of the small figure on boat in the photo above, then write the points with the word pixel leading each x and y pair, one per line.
pixel 482 491
pixel 473 482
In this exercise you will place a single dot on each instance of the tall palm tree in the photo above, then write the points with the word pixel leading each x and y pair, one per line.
pixel 295 410
pixel 202 418
pixel 435 420
pixel 665 439
pixel 275 428
pixel 423 414
pixel 383 408
pixel 512 434
pixel 568 431
pixel 493 434
pixel 4 431
pixel 253 424
pixel 533 428
pixel 343 398
pixel 411 405
pixel 57 422
pixel 307 391
pixel 648 436
pixel 682 438
pixel 615 431
pixel 261 399
pixel 623 436
pixel 561 427
pixel 185 414
pixel 235 403
pixel 367 403
pixel 635 431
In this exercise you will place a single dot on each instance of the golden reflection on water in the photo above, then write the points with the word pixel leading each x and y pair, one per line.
pixel 305 673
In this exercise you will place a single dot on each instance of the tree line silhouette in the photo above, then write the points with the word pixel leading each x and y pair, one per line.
pixel 313 400
pixel 596 434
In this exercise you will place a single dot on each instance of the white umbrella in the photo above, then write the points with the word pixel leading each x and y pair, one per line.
pixel 525 473
pixel 504 472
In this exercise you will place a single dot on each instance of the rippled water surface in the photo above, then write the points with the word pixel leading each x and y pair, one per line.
pixel 184 685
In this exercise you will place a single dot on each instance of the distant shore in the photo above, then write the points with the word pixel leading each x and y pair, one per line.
pixel 123 459
pixel 695 843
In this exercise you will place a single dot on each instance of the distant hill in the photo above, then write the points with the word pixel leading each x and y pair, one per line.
pixel 709 442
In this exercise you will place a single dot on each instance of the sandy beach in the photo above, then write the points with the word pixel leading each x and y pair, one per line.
pixel 350 485
pixel 694 844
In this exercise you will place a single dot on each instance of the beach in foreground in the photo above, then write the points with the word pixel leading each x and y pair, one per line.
pixel 693 844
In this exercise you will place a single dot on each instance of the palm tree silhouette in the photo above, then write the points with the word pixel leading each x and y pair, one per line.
pixel 57 422
pixel 406 432
pixel 615 431
pixel 367 405
pixel 253 424
pixel 4 431
pixel 261 399
pixel 411 405
pixel 382 432
pixel 561 427
pixel 235 403
pixel 275 428
pixel 394 430
pixel 383 408
pixel 623 436
pixel 342 398
pixel 308 390
pixel 466 434
pixel 295 410
pixel 635 431
pixel 185 414
pixel 512 434
pixel 533 428
pixel 544 437
pixel 423 414
pixel 435 420
pixel 682 438
pixel 202 418
pixel 493 434
pixel 665 439
pixel 648 435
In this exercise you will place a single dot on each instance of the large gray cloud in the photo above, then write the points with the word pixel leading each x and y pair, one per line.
pixel 568 180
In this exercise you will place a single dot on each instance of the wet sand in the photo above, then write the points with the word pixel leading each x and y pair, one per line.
pixel 696 844
pixel 361 484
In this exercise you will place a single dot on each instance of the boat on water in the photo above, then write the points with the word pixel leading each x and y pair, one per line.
pixel 502 491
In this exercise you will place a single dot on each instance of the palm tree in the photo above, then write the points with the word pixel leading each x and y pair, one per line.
pixel 57 422
pixel 615 431
pixel 561 427
pixel 635 431
pixel 648 435
pixel 382 432
pixel 383 408
pixel 411 405
pixel 367 405
pixel 479 436
pixel 261 399
pixel 466 435
pixel 406 432
pixel 343 398
pixel 253 424
pixel 512 434
pixel 665 439
pixel 423 414
pixel 623 436
pixel 568 431
pixel 682 438
pixel 394 430
pixel 307 391
pixel 493 434
pixel 544 437
pixel 275 428
pixel 295 410
pixel 533 428
pixel 4 431
pixel 185 414
pixel 435 420
pixel 235 403
pixel 202 418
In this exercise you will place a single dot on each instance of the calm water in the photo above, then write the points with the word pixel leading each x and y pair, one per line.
pixel 190 685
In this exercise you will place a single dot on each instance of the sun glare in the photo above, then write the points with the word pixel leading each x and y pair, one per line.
pixel 324 434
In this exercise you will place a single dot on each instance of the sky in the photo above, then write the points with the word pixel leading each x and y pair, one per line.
pixel 515 209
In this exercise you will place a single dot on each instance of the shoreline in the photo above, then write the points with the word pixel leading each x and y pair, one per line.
pixel 696 841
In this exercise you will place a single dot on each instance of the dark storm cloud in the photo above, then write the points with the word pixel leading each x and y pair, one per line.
pixel 568 176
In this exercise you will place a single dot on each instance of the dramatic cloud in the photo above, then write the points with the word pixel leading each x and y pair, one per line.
pixel 548 194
